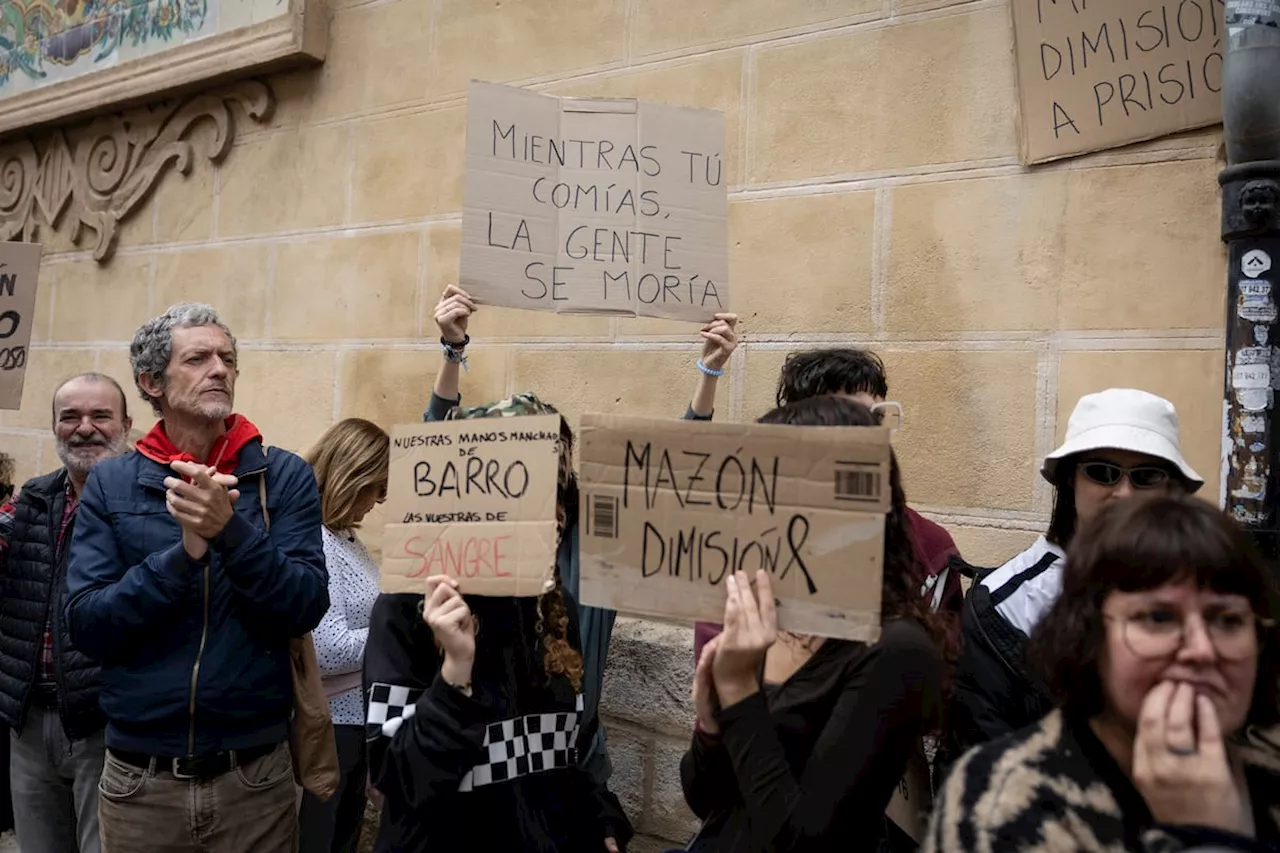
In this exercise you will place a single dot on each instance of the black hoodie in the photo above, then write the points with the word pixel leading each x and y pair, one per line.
pixel 499 770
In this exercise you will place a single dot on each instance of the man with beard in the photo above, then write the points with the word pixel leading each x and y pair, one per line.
pixel 48 688
pixel 194 561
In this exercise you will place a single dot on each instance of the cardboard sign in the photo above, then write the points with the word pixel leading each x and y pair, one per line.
pixel 669 508
pixel 1095 75
pixel 912 800
pixel 584 206
pixel 476 500
pixel 19 277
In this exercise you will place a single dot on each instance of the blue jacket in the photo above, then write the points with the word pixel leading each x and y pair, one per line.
pixel 195 655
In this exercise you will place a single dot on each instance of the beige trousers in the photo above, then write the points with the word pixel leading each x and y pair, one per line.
pixel 249 809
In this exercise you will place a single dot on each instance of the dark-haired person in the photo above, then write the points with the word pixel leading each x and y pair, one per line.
pixel 595 625
pixel 477 724
pixel 1121 444
pixel 1162 655
pixel 859 375
pixel 48 687
pixel 801 740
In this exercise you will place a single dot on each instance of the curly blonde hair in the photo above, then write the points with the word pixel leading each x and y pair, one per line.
pixel 559 657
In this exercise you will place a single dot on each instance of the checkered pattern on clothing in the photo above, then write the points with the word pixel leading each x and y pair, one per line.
pixel 389 706
pixel 533 743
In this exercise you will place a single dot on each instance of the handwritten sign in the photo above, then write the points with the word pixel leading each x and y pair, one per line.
pixel 584 206
pixel 670 508
pixel 19 276
pixel 475 500
pixel 1095 75
pixel 912 800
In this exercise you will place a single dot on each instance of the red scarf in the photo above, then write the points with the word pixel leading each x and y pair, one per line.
pixel 224 455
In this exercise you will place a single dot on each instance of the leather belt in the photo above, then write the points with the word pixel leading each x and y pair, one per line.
pixel 198 767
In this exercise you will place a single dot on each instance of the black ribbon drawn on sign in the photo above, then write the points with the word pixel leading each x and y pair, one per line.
pixel 13 358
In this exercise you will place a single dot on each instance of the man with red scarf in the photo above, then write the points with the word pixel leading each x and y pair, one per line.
pixel 187 588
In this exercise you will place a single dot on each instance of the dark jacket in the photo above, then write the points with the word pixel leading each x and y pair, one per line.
pixel 32 585
pixel 166 626
pixel 994 692
pixel 498 770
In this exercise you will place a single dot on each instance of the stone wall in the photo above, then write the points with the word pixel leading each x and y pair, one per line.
pixel 875 199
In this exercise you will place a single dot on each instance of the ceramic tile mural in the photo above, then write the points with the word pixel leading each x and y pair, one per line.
pixel 43 42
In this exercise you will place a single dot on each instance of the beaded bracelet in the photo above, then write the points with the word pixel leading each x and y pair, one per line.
pixel 710 371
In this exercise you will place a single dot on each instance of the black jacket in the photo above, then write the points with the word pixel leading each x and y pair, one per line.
pixel 32 589
pixel 994 692
pixel 440 757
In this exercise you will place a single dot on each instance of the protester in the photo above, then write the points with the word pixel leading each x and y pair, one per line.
pixel 350 462
pixel 800 743
pixel 1163 655
pixel 859 375
pixel 1120 443
pixel 476 711
pixel 193 563
pixel 48 687
pixel 453 314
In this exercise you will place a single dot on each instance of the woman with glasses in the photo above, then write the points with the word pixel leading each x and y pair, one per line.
pixel 1162 654
pixel 350 462
pixel 1120 444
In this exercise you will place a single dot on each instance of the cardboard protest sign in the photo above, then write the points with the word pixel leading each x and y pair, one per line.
pixel 912 800
pixel 669 508
pixel 476 500
pixel 19 277
pixel 1095 75
pixel 584 206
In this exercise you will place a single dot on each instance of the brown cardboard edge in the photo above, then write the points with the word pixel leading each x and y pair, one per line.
pixel 1024 153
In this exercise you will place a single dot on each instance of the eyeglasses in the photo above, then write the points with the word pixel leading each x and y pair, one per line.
pixel 1140 476
pixel 1160 632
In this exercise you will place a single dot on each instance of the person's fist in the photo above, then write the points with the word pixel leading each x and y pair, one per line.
pixel 453 312
pixel 721 339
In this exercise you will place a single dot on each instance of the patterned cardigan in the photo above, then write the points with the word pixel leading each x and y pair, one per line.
pixel 1054 788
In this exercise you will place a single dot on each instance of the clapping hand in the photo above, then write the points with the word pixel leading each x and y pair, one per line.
pixel 202 501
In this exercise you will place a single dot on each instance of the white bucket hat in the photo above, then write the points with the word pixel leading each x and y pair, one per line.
pixel 1123 419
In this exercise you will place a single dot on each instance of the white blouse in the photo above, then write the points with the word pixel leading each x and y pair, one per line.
pixel 342 633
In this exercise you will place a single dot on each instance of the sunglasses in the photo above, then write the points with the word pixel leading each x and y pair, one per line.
pixel 1110 474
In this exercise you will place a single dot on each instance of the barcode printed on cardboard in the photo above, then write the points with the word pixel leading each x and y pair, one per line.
pixel 604 517
pixel 856 482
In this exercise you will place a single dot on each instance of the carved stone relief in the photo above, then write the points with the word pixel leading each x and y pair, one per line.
pixel 99 174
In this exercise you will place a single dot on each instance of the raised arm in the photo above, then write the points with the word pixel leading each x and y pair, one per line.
pixel 720 338
pixel 453 313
